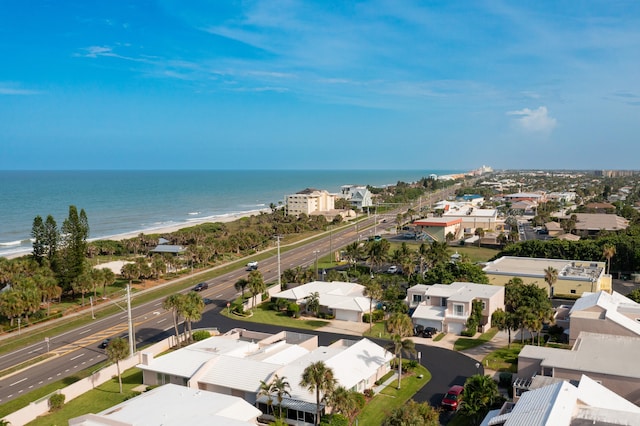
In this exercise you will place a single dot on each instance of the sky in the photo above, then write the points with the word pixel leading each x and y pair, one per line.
pixel 300 84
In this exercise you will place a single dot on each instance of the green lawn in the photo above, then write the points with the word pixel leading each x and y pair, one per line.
pixel 263 315
pixel 504 359
pixel 378 331
pixel 99 399
pixel 390 398
pixel 465 343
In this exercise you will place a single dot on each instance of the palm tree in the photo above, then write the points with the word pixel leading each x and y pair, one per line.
pixel 192 310
pixel 479 394
pixel 241 285
pixel 174 303
pixel 117 350
pixel 256 285
pixel 608 251
pixel 265 390
pixel 280 386
pixel 109 278
pixel 400 324
pixel 398 345
pixel 318 378
pixel 313 302
pixel 373 291
pixel 551 276
pixel 342 401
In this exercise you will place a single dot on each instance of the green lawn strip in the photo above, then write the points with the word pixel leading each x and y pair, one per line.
pixel 263 315
pixel 504 359
pixel 439 337
pixel 104 396
pixel 390 398
pixel 378 331
pixel 465 343
pixel 26 399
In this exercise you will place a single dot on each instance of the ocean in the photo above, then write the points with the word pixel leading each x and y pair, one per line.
pixel 119 202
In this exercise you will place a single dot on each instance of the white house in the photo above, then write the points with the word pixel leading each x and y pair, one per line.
pixel 448 307
pixel 346 301
pixel 173 405
pixel 564 403
pixel 236 362
pixel 359 196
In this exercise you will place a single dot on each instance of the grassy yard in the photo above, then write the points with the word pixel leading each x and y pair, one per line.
pixel 263 315
pixel 465 343
pixel 390 398
pixel 504 359
pixel 378 331
pixel 99 399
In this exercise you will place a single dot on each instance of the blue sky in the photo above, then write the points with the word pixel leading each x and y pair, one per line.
pixel 321 84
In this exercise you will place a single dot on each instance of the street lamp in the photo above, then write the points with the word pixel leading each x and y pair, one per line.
pixel 477 368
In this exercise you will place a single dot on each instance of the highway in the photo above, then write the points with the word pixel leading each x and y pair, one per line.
pixel 78 349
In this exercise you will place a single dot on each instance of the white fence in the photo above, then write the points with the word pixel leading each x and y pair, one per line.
pixel 41 407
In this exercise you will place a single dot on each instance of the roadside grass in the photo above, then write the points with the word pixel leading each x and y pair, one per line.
pixel 24 400
pixel 439 337
pixel 104 396
pixel 390 398
pixel 378 331
pixel 465 343
pixel 264 315
pixel 504 359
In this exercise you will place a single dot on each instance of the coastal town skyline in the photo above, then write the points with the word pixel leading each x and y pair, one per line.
pixel 319 85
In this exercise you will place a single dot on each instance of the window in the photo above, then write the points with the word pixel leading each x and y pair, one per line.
pixel 443 301
pixel 417 298
pixel 458 310
pixel 484 305
pixel 573 291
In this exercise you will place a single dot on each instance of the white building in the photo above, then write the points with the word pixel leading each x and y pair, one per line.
pixel 359 196
pixel 173 405
pixel 346 301
pixel 310 201
pixel 447 307
pixel 236 363
pixel 563 403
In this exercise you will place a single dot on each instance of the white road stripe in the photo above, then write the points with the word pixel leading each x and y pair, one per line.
pixel 19 381
pixel 76 357
pixel 85 331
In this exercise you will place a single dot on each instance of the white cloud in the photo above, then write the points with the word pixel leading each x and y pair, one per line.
pixel 536 120
pixel 13 89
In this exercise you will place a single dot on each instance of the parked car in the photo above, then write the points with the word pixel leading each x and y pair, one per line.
pixel 451 400
pixel 201 286
pixel 392 269
pixel 252 266
pixel 429 332
pixel 104 343
pixel 418 330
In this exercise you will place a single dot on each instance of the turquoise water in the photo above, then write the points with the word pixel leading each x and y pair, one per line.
pixel 119 202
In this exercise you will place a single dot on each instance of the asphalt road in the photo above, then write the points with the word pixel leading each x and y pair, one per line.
pixel 78 349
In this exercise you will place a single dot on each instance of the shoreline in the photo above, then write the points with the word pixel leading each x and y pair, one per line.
pixel 159 230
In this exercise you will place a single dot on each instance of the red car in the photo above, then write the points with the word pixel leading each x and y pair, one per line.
pixel 451 400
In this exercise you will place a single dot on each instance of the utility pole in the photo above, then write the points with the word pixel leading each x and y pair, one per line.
pixel 132 338
pixel 279 274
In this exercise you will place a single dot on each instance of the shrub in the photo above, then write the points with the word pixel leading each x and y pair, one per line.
pixel 505 379
pixel 469 332
pixel 411 364
pixel 293 309
pixel 132 394
pixel 369 393
pixel 334 420
pixel 56 401
pixel 201 335
pixel 360 399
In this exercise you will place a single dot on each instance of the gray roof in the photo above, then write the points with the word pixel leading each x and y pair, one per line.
pixel 169 248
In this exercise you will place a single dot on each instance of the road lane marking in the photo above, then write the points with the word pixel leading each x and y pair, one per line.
pixel 85 331
pixel 35 350
pixel 76 357
pixel 220 295
pixel 163 319
pixel 19 381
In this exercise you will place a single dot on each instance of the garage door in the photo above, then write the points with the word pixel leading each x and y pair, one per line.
pixel 429 323
pixel 344 315
pixel 455 327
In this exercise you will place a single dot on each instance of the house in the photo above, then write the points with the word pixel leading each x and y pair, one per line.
pixel 610 360
pixel 604 313
pixel 448 307
pixel 593 223
pixel 525 196
pixel 574 276
pixel 346 301
pixel 553 228
pixel 310 201
pixel 173 405
pixel 437 228
pixel 235 363
pixel 170 249
pixel 474 218
pixel 562 197
pixel 566 403
pixel 359 196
